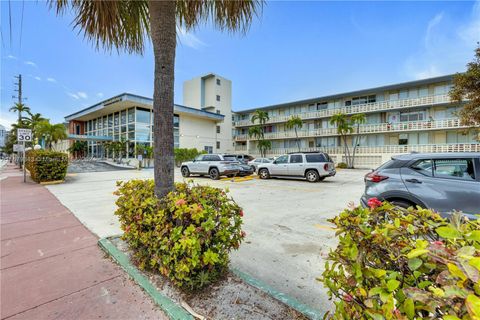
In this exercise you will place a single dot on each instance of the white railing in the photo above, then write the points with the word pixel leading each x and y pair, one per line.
pixel 240 148
pixel 365 129
pixel 394 149
pixel 362 108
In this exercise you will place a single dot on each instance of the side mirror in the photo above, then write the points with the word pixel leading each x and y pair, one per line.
pixel 274 162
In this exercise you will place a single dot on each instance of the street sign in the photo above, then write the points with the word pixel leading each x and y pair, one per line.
pixel 17 148
pixel 24 135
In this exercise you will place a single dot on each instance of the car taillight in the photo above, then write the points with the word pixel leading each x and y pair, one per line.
pixel 325 167
pixel 375 177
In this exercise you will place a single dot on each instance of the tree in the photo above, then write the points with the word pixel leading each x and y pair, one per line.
pixel 52 133
pixel 19 108
pixel 295 122
pixel 466 89
pixel 343 129
pixel 78 148
pixel 356 120
pixel 124 25
pixel 33 121
pixel 258 131
pixel 261 116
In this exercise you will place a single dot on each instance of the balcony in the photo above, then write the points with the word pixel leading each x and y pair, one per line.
pixel 362 108
pixel 390 149
pixel 365 129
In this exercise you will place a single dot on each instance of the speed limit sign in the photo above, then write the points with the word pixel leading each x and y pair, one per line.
pixel 24 135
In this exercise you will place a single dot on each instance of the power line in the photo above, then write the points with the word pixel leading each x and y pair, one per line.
pixel 10 20
pixel 21 26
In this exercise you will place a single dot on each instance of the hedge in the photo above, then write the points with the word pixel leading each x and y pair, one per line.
pixel 46 165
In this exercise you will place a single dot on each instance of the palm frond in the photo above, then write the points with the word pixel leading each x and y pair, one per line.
pixel 123 25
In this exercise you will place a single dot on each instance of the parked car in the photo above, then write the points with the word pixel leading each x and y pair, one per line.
pixel 254 163
pixel 443 182
pixel 313 166
pixel 214 165
pixel 244 158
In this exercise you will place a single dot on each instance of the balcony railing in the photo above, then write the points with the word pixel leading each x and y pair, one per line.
pixel 365 129
pixel 361 108
pixel 393 149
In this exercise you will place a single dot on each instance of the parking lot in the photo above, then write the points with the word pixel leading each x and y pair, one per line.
pixel 288 235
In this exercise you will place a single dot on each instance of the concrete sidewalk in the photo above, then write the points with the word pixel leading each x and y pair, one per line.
pixel 51 266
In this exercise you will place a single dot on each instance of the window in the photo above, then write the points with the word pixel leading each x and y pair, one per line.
pixel 315 158
pixel 403 139
pixel 176 121
pixel 296 158
pixel 77 129
pixel 282 159
pixel 454 168
pixel 200 157
pixel 423 167
pixel 218 82
pixel 218 144
pixel 208 149
pixel 218 97
pixel 322 105
pixel 212 158
pixel 218 111
pixel 218 129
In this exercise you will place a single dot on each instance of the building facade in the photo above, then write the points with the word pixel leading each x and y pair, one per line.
pixel 400 118
pixel 128 117
pixel 3 136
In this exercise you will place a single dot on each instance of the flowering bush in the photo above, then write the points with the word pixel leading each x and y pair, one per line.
pixel 186 236
pixel 394 263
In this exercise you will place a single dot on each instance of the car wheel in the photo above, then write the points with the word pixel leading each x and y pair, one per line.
pixel 185 172
pixel 402 204
pixel 312 176
pixel 214 174
pixel 263 174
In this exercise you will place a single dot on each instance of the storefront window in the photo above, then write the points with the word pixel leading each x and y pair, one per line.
pixel 123 117
pixel 143 115
pixel 116 119
pixel 131 115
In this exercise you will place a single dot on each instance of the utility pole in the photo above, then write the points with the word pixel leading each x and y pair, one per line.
pixel 19 90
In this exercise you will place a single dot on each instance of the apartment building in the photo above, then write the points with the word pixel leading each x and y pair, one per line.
pixel 400 118
pixel 203 122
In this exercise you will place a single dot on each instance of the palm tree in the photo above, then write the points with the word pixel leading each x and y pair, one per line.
pixel 124 25
pixel 33 121
pixel 257 133
pixel 261 116
pixel 343 128
pixel 52 133
pixel 355 121
pixel 295 122
pixel 19 107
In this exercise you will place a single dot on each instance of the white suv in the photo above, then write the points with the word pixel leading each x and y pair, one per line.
pixel 313 166
pixel 214 165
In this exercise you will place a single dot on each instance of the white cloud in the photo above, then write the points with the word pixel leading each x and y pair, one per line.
pixel 189 39
pixel 7 119
pixel 100 94
pixel 82 94
pixel 31 63
pixel 11 57
pixel 51 80
pixel 37 78
pixel 73 95
pixel 446 47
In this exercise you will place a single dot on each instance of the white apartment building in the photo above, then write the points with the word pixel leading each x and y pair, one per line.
pixel 400 118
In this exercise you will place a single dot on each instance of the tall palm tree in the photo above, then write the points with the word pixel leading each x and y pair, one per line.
pixel 124 25
pixel 343 128
pixel 356 120
pixel 52 133
pixel 33 121
pixel 295 122
pixel 19 107
pixel 261 116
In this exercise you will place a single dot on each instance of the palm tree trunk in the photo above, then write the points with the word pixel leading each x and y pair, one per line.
pixel 163 31
pixel 298 142
pixel 355 145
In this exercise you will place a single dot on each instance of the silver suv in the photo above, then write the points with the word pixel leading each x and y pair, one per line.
pixel 214 165
pixel 313 166
pixel 443 182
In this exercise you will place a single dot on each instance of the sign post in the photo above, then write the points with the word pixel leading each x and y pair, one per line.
pixel 24 135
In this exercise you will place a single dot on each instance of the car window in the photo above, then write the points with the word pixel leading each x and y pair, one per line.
pixel 423 167
pixel 296 158
pixel 199 158
pixel 229 158
pixel 212 157
pixel 258 160
pixel 315 158
pixel 282 159
pixel 454 168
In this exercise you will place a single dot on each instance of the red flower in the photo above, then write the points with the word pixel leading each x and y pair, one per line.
pixel 241 213
pixel 180 202
pixel 374 203
pixel 438 243
pixel 243 234
pixel 347 297
pixel 127 228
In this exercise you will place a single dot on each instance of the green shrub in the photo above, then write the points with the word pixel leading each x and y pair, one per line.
pixel 393 263
pixel 186 236
pixel 184 154
pixel 46 165
pixel 342 165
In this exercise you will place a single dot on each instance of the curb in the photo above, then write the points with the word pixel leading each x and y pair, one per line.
pixel 48 183
pixel 175 311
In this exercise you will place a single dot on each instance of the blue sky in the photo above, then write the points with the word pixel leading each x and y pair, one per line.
pixel 296 50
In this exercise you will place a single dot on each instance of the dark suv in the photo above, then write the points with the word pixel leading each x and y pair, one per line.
pixel 443 182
